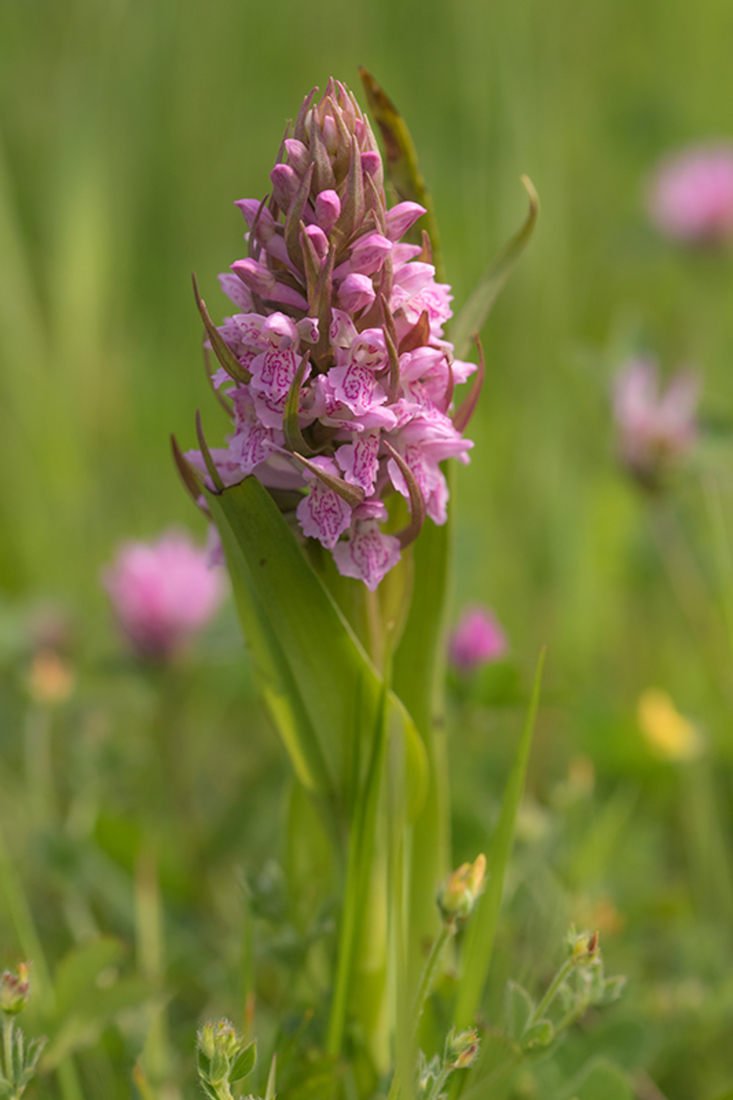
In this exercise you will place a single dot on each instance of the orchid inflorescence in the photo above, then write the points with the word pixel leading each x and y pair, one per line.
pixel 335 368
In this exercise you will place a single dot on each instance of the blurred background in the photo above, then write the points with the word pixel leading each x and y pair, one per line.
pixel 127 130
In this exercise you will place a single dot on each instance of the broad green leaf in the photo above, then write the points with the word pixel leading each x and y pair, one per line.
pixel 312 668
pixel 601 1080
pixel 481 930
pixel 403 170
pixel 418 679
pixel 83 1026
pixel 540 1034
pixel 244 1064
pixel 78 971
pixel 518 1009
pixel 471 318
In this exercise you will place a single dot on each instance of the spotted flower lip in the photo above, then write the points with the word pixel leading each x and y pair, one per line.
pixel 338 329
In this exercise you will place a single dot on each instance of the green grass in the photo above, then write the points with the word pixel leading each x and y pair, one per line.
pixel 127 129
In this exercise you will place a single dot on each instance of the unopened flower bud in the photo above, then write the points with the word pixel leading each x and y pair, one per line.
pixel 15 990
pixel 328 208
pixel 371 163
pixel 582 947
pixel 461 1049
pixel 219 1039
pixel 319 241
pixel 458 896
pixel 297 155
pixel 285 184
pixel 356 293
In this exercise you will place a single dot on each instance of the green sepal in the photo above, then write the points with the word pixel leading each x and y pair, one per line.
pixel 471 318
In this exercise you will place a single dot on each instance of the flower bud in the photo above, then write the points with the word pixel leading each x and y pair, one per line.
pixel 462 1049
pixel 285 184
pixel 461 891
pixel 297 155
pixel 356 293
pixel 582 947
pixel 328 208
pixel 15 990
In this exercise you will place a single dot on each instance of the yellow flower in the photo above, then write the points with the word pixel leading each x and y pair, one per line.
pixel 667 732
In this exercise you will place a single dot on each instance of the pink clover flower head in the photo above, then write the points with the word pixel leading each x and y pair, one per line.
pixel 655 428
pixel 162 593
pixel 477 640
pixel 690 197
pixel 339 321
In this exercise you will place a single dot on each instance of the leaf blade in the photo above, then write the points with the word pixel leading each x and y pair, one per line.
pixel 471 318
pixel 481 930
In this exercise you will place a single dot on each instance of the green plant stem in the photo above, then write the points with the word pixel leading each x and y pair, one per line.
pixel 440 942
pixel 551 992
pixel 25 930
pixel 438 1083
pixel 8 1049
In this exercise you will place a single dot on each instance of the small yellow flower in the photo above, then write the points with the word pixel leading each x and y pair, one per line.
pixel 667 732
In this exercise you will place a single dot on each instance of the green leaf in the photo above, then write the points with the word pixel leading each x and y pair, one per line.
pixel 418 679
pixel 601 1079
pixel 85 1024
pixel 244 1064
pixel 540 1034
pixel 518 1009
pixel 320 685
pixel 403 170
pixel 78 971
pixel 481 930
pixel 471 318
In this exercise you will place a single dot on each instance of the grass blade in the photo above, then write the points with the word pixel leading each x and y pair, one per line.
pixel 481 930
pixel 479 305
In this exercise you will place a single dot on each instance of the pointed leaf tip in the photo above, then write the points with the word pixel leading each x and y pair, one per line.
pixel 417 500
pixel 294 440
pixel 480 303
pixel 206 454
pixel 223 353
pixel 352 494
pixel 190 477
pixel 462 417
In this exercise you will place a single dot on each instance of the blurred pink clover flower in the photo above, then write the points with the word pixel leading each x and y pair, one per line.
pixel 162 593
pixel 477 640
pixel 690 196
pixel 655 427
